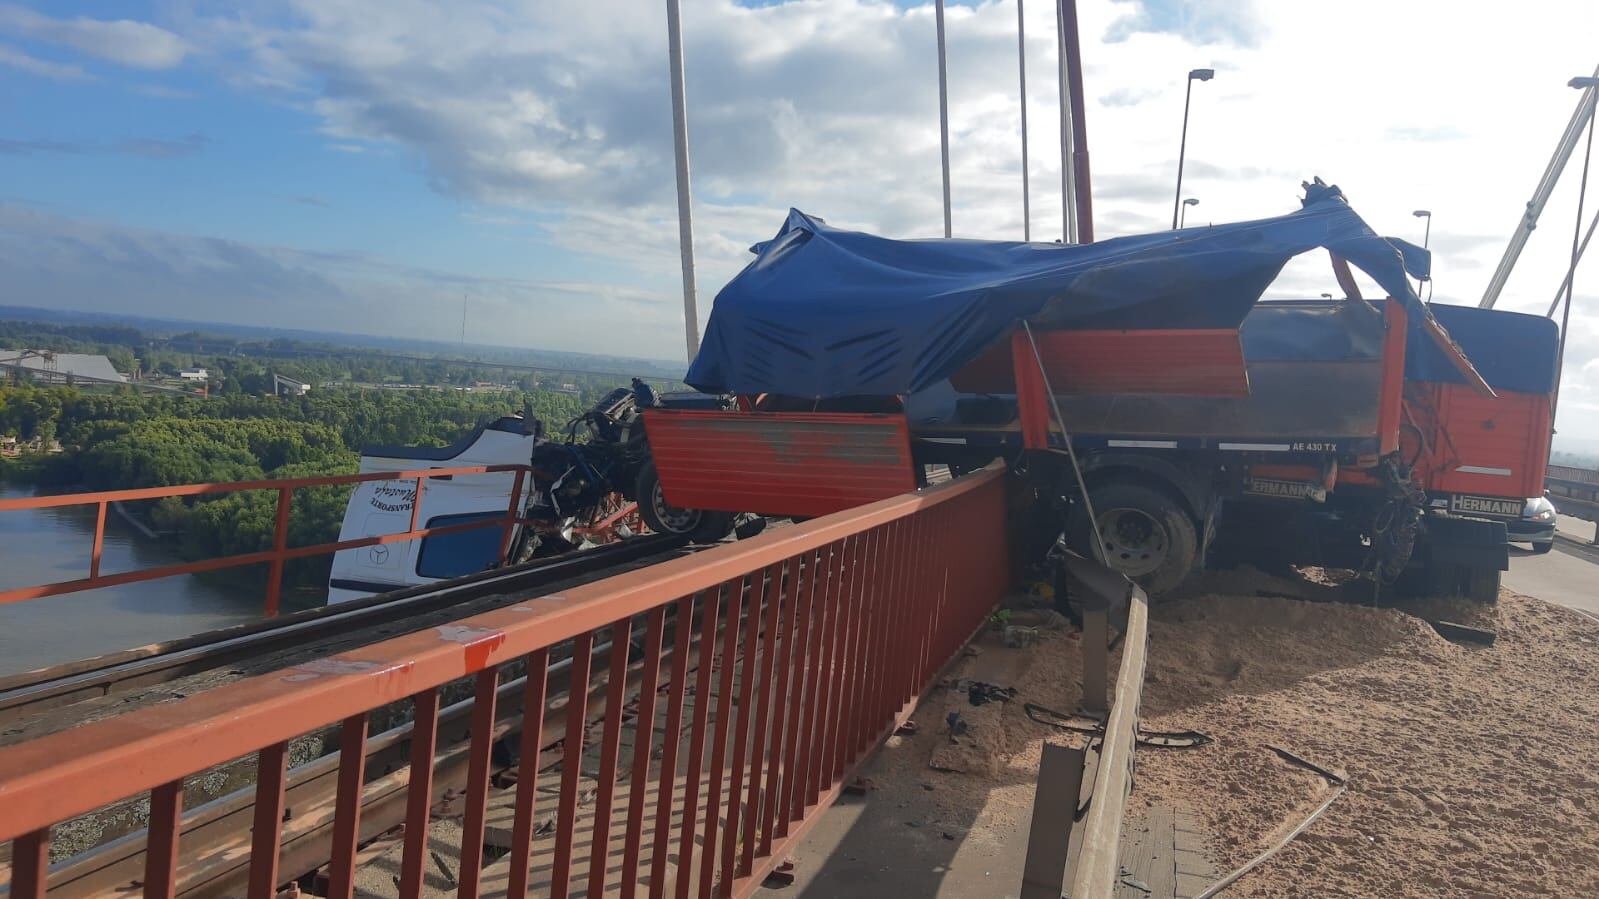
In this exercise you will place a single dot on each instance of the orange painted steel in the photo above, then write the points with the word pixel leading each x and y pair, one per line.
pixel 779 463
pixel 1173 362
pixel 280 553
pixel 845 620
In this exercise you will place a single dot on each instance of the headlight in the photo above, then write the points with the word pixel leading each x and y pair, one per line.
pixel 1545 515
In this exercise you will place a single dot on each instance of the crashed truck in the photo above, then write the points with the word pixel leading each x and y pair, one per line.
pixel 1143 373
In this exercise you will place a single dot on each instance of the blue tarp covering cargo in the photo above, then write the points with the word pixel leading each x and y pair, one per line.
pixel 824 312
pixel 1512 350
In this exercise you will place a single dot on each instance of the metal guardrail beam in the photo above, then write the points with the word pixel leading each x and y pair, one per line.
pixel 1099 861
pixel 873 601
pixel 281 552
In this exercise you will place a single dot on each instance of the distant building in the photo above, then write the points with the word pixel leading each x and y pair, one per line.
pixel 568 389
pixel 46 367
pixel 195 374
pixel 289 387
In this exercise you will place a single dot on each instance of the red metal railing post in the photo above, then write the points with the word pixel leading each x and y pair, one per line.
pixel 419 793
pixel 610 750
pixel 161 841
pixel 682 636
pixel 783 695
pixel 643 749
pixel 476 800
pixel 753 812
pixel 267 832
pixel 30 865
pixel 571 764
pixel 512 512
pixel 347 807
pixel 416 503
pixel 723 723
pixel 746 712
pixel 280 542
pixel 710 612
pixel 99 539
pixel 527 772
pixel 802 688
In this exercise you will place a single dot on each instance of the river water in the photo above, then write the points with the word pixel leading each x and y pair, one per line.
pixel 44 546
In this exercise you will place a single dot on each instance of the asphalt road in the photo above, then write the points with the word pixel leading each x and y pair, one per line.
pixel 1568 575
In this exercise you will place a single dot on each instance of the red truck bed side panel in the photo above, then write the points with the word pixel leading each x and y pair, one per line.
pixel 1497 446
pixel 1173 362
pixel 779 463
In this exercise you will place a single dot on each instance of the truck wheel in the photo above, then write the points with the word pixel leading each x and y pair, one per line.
pixel 1148 535
pixel 664 518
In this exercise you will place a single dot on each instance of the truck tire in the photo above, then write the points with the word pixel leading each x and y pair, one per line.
pixel 664 518
pixel 1148 535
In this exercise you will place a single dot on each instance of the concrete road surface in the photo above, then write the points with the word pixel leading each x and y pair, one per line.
pixel 1568 575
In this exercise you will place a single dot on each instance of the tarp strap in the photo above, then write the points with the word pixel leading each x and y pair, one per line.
pixel 1066 437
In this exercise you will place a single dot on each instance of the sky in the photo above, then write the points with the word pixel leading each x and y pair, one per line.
pixel 373 166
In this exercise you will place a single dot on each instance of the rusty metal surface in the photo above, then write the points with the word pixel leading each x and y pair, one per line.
pixel 779 463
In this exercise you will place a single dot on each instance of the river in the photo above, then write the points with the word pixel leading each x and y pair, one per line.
pixel 42 546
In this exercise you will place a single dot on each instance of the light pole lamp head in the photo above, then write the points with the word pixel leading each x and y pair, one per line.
pixel 1201 74
pixel 1191 201
pixel 1422 213
pixel 1583 82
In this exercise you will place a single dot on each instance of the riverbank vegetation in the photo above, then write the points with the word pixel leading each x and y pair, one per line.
pixel 120 439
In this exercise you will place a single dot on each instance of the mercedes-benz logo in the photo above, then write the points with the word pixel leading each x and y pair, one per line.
pixel 380 554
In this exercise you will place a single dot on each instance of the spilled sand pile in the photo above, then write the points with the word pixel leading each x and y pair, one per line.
pixel 1473 770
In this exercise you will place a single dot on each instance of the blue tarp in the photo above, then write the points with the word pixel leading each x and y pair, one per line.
pixel 824 312
pixel 1511 350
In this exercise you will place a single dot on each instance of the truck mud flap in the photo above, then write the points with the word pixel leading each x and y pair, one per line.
pixel 1468 542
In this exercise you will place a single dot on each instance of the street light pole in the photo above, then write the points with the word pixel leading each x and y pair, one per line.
pixel 1591 85
pixel 1426 239
pixel 1182 147
pixel 685 214
pixel 1182 221
pixel 943 113
pixel 1021 65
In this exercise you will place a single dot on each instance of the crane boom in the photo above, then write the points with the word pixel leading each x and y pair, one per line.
pixel 1540 196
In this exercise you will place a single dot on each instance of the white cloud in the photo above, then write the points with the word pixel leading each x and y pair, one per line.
pixel 54 260
pixel 33 65
pixel 557 110
pixel 124 42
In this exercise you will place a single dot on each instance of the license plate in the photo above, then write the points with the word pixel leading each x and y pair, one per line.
pixel 1286 489
pixel 1486 505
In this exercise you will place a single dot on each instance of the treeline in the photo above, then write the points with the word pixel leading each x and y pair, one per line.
pixel 246 366
pixel 122 439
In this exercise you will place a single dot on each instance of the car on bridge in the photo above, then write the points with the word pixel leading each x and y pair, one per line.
pixel 1535 526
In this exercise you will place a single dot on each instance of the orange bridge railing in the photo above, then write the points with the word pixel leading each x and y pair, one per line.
pixel 280 552
pixel 746 683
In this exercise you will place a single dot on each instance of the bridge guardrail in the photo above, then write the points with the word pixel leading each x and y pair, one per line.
pixel 843 620
pixel 280 552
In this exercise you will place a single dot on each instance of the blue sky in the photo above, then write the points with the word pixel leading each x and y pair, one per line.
pixel 363 165
pixel 182 150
